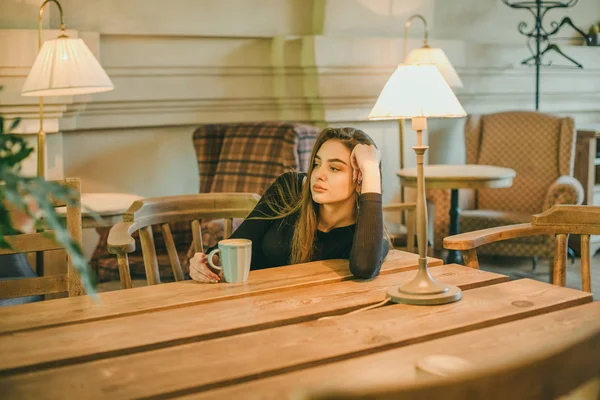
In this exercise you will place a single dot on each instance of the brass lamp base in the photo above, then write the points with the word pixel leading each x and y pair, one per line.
pixel 424 291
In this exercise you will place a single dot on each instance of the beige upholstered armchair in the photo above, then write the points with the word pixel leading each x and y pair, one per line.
pixel 540 148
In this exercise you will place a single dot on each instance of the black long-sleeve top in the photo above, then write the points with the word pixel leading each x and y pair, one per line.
pixel 362 243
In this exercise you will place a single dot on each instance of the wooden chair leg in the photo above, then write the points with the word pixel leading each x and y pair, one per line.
pixel 124 273
pixel 197 236
pixel 586 279
pixel 172 252
pixel 559 275
pixel 149 254
pixel 470 258
pixel 228 228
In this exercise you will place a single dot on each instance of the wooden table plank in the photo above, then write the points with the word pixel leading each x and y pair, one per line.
pixel 172 295
pixel 502 342
pixel 30 350
pixel 241 358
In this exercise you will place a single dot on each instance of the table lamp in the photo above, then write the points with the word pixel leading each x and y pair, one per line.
pixel 63 67
pixel 418 92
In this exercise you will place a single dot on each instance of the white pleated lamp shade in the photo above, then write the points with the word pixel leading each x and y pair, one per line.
pixel 416 90
pixel 66 67
pixel 431 55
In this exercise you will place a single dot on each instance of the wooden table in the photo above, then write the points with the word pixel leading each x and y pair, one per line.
pixel 454 177
pixel 109 207
pixel 265 339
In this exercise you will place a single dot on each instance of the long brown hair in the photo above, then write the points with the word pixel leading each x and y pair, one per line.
pixel 292 198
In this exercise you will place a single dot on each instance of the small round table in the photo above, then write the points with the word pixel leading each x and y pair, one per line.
pixel 454 177
pixel 109 207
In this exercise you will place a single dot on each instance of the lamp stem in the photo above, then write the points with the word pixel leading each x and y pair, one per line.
pixel 41 144
pixel 421 202
pixel 41 138
pixel 407 25
pixel 423 289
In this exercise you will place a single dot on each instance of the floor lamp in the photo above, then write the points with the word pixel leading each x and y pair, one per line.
pixel 418 92
pixel 424 54
pixel 63 67
pixel 429 55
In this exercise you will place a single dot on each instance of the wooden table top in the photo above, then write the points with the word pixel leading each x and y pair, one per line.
pixel 460 176
pixel 265 338
pixel 109 207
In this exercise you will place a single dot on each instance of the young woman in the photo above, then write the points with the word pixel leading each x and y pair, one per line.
pixel 333 211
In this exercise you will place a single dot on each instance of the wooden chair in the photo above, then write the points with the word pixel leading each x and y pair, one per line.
pixel 269 149
pixel 569 366
pixel 145 213
pixel 38 242
pixel 560 221
pixel 404 241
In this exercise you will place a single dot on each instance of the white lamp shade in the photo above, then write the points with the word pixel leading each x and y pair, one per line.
pixel 430 55
pixel 416 90
pixel 65 67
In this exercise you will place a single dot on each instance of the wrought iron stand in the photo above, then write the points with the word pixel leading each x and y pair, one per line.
pixel 539 36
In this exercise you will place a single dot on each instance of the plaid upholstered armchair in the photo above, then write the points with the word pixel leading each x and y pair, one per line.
pixel 540 148
pixel 244 157
pixel 248 157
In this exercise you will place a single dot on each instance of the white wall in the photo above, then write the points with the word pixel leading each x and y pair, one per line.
pixel 189 62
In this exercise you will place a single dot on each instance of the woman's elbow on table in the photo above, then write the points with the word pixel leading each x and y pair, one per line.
pixel 364 270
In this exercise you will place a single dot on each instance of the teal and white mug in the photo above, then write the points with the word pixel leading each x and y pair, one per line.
pixel 236 255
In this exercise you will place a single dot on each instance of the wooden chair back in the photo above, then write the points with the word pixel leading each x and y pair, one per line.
pixel 560 221
pixel 39 242
pixel 567 367
pixel 407 213
pixel 161 211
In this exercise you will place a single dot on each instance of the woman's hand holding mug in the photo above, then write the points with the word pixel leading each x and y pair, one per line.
pixel 200 271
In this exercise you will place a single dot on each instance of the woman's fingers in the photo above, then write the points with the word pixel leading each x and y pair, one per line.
pixel 199 270
pixel 198 277
pixel 355 168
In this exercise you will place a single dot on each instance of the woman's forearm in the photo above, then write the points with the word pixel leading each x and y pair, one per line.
pixel 371 180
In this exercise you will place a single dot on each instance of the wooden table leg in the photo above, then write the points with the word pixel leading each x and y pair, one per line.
pixel 454 256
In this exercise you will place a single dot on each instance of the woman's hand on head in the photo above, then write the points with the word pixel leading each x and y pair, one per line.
pixel 200 271
pixel 364 159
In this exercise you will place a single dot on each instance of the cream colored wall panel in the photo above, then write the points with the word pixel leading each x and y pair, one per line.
pixel 189 86
pixel 147 162
pixel 184 52
pixel 54 157
pixel 372 17
pixel 191 17
pixel 185 117
pixel 22 14
pixel 343 51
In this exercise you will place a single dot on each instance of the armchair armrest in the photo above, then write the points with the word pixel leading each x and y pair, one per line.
pixel 565 190
pixel 121 243
pixel 469 241
pixel 120 240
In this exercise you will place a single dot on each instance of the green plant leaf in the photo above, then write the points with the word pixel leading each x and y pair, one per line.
pixel 13 150
pixel 14 124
